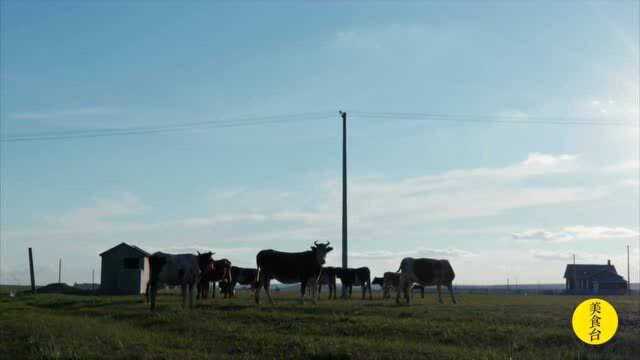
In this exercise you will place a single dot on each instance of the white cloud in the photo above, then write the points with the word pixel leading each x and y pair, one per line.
pixel 242 221
pixel 99 215
pixel 419 252
pixel 578 232
pixel 600 232
pixel 629 165
pixel 544 235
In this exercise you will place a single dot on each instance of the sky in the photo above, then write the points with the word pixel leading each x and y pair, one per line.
pixel 499 200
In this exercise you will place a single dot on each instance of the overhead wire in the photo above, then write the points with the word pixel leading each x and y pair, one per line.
pixel 288 118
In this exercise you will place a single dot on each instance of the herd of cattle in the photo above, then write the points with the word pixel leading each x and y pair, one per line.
pixel 307 268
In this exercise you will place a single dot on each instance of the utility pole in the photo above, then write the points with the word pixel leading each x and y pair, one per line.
pixel 628 273
pixel 344 189
pixel 344 196
pixel 93 274
pixel 33 280
pixel 575 277
pixel 59 271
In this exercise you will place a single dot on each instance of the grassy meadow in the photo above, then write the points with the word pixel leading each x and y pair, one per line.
pixel 478 327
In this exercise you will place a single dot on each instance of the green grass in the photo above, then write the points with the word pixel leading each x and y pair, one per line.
pixel 479 327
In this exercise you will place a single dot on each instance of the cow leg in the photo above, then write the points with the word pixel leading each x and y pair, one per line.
pixel 314 287
pixel 439 294
pixel 183 291
pixel 453 298
pixel 190 289
pixel 154 290
pixel 399 288
pixel 146 292
pixel 303 290
pixel 422 292
pixel 267 289
pixel 213 291
pixel 258 286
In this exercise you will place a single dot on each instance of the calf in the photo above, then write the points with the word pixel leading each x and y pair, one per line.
pixel 359 277
pixel 390 282
pixel 221 272
pixel 378 281
pixel 328 277
pixel 242 276
pixel 173 270
pixel 425 272
pixel 288 268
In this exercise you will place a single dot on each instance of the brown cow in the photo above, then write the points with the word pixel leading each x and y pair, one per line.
pixel 221 272
pixel 425 272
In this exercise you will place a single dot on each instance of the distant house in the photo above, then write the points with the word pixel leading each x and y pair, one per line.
pixel 594 279
pixel 125 270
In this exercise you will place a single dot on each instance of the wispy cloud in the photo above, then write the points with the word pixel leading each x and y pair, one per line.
pixel 578 232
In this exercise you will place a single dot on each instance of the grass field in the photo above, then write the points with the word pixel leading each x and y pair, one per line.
pixel 478 327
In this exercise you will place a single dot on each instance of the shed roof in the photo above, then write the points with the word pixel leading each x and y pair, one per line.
pixel 586 271
pixel 608 277
pixel 132 247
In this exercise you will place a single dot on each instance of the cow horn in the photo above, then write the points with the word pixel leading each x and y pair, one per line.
pixel 315 243
pixel 198 252
pixel 328 243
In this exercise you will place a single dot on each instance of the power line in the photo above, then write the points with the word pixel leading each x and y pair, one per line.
pixel 507 119
pixel 213 124
pixel 277 119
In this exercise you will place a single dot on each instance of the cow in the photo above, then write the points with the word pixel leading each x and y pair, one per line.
pixel 288 268
pixel 221 272
pixel 390 282
pixel 378 281
pixel 359 277
pixel 174 270
pixel 242 276
pixel 328 277
pixel 425 272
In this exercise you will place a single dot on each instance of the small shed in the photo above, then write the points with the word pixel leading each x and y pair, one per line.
pixel 125 270
pixel 594 279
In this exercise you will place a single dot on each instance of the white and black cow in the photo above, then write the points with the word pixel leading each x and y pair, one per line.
pixel 290 268
pixel 390 282
pixel 425 272
pixel 182 270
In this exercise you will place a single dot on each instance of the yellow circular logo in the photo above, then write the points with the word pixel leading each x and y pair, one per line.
pixel 595 321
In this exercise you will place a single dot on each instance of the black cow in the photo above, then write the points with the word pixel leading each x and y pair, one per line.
pixel 378 281
pixel 328 277
pixel 425 272
pixel 242 276
pixel 290 268
pixel 221 272
pixel 359 277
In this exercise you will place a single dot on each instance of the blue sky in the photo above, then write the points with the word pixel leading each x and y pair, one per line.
pixel 498 200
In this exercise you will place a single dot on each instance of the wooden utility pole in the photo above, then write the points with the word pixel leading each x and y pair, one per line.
pixel 344 189
pixel 628 273
pixel 93 274
pixel 59 271
pixel 33 279
pixel 575 277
